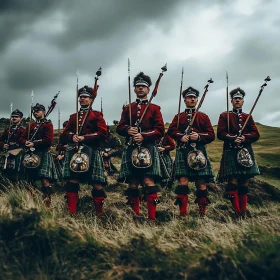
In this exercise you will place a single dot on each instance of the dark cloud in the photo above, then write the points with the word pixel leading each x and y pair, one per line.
pixel 91 21
pixel 16 17
pixel 45 42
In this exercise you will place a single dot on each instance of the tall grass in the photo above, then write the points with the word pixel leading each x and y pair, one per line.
pixel 40 243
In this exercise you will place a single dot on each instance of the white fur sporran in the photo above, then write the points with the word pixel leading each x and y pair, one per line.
pixel 141 157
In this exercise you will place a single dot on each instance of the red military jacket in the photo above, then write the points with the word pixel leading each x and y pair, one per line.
pixel 94 128
pixel 236 120
pixel 44 135
pixel 201 125
pixel 152 126
pixel 167 143
pixel 15 134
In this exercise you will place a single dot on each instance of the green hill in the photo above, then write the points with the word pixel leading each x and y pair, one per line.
pixel 40 243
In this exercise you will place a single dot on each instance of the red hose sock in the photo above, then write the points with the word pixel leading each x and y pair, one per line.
pixel 152 201
pixel 243 198
pixel 133 199
pixel 202 201
pixel 151 198
pixel 182 192
pixel 135 205
pixel 182 201
pixel 72 200
pixel 98 203
pixel 232 195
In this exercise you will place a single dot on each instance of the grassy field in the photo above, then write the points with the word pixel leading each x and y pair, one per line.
pixel 40 243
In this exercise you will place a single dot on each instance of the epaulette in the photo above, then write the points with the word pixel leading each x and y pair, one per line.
pixel 127 105
pixel 48 121
pixel 155 105
pixel 202 113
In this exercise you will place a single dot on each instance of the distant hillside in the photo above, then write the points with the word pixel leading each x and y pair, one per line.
pixel 267 150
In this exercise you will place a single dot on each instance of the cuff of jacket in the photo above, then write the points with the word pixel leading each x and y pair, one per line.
pixel 147 135
pixel 230 138
pixel 37 142
pixel 179 135
pixel 90 137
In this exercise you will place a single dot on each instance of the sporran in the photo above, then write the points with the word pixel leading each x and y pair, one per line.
pixel 80 162
pixel 196 159
pixel 31 160
pixel 244 158
pixel 141 157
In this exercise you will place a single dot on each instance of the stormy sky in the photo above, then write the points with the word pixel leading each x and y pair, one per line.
pixel 43 43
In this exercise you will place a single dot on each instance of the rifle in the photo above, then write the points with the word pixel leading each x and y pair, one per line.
pixel 129 94
pixel 189 128
pixel 58 125
pixel 77 103
pixel 30 117
pixel 244 158
pixel 7 141
pixel 267 79
pixel 10 125
pixel 180 97
pixel 50 109
pixel 101 107
pixel 94 94
pixel 227 102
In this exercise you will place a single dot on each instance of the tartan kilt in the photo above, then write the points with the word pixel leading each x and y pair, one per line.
pixel 13 169
pixel 229 167
pixel 128 171
pixel 58 164
pixel 95 174
pixel 46 169
pixel 168 162
pixel 169 165
pixel 182 168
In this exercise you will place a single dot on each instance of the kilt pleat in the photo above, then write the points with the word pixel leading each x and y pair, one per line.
pixel 168 162
pixel 183 169
pixel 229 167
pixel 169 166
pixel 96 169
pixel 46 169
pixel 128 171
pixel 13 169
pixel 58 165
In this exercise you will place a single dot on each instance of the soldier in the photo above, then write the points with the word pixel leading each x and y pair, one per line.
pixel 37 141
pixel 10 163
pixel 151 129
pixel 202 133
pixel 91 131
pixel 231 170
pixel 111 147
pixel 165 145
